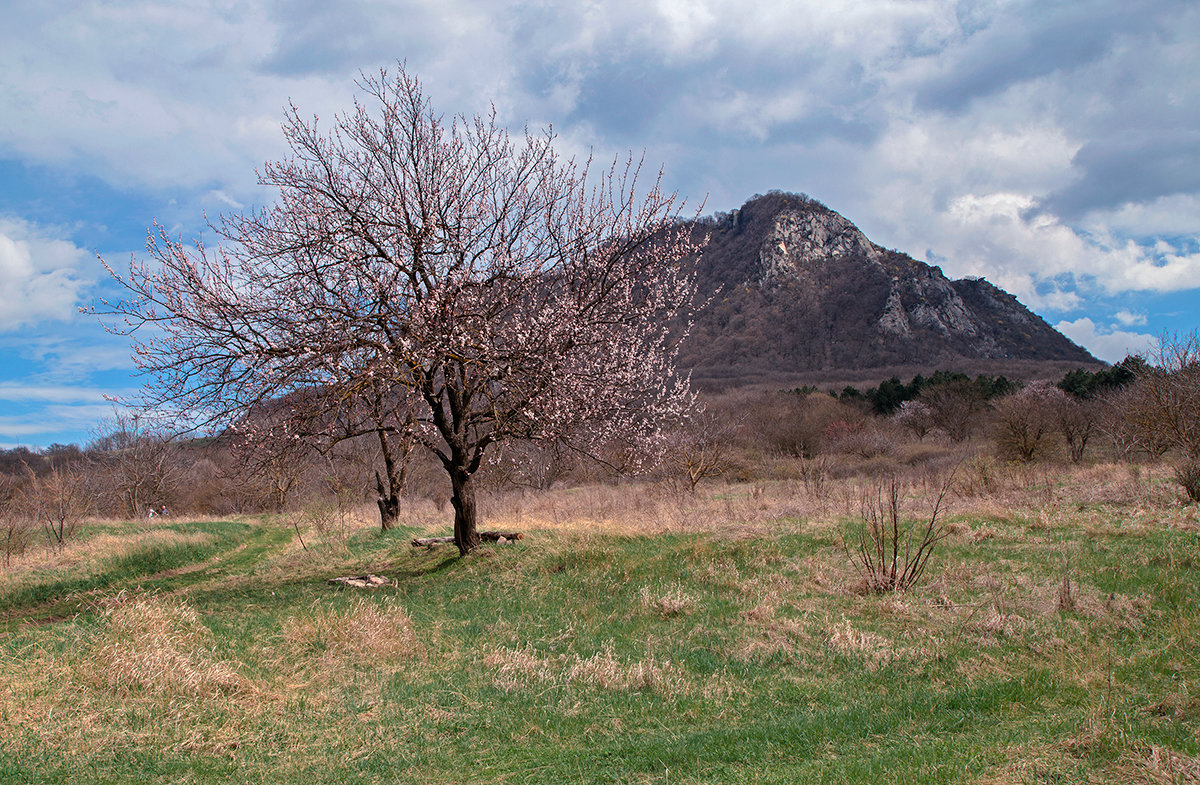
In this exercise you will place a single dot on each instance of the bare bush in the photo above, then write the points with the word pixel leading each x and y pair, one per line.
pixel 699 449
pixel 1023 421
pixel 58 500
pixel 954 407
pixel 1077 420
pixel 16 528
pixel 890 551
pixel 1164 407
pixel 916 417
pixel 136 466
pixel 795 425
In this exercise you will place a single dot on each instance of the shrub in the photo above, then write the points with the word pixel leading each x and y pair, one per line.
pixel 1024 420
pixel 1164 407
pixel 890 552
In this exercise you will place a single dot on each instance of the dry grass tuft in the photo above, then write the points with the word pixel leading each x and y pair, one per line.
pixel 674 601
pixel 1156 765
pixel 1003 625
pixel 157 645
pixel 604 670
pixel 844 639
pixel 1180 705
pixel 513 669
pixel 516 669
pixel 365 633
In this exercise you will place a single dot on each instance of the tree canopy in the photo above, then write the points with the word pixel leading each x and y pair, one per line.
pixel 426 278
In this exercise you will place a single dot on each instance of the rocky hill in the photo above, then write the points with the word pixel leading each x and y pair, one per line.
pixel 801 289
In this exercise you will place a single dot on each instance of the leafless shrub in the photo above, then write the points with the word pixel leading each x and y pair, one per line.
pixel 814 473
pixel 1164 407
pixel 916 417
pixel 16 528
pixel 795 425
pixel 1023 421
pixel 1077 420
pixel 954 407
pixel 57 500
pixel 699 449
pixel 136 465
pixel 868 439
pixel 890 552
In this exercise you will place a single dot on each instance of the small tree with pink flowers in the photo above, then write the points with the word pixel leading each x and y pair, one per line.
pixel 428 278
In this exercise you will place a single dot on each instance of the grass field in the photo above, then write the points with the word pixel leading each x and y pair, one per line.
pixel 633 636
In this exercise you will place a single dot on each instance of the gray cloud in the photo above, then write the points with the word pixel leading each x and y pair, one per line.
pixel 1034 41
pixel 1022 141
pixel 1133 167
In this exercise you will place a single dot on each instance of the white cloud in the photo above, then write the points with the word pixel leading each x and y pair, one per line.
pixel 1130 319
pixel 934 125
pixel 40 276
pixel 1175 215
pixel 1109 344
pixel 49 393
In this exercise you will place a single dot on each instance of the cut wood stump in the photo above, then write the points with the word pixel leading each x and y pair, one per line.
pixel 500 538
pixel 361 581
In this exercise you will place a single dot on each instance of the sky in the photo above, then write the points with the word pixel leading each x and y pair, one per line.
pixel 1050 147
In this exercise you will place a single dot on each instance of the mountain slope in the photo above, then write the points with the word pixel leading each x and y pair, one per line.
pixel 799 288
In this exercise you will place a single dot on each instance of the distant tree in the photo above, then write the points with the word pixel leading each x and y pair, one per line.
pixel 15 524
pixel 268 448
pixel 491 289
pixel 955 407
pixel 888 396
pixel 916 417
pixel 699 449
pixel 1025 419
pixel 1077 420
pixel 1164 406
pixel 1089 384
pixel 137 463
pixel 58 500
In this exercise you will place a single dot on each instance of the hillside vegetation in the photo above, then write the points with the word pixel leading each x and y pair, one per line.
pixel 635 634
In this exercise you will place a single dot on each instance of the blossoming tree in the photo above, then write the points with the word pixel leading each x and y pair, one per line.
pixel 437 279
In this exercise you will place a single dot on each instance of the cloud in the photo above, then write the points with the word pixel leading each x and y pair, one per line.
pixel 1130 319
pixel 1109 344
pixel 40 278
pixel 1049 147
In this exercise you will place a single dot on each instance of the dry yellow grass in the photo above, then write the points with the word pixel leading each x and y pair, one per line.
pixel 666 601
pixel 517 669
pixel 366 633
pixel 84 553
pixel 158 646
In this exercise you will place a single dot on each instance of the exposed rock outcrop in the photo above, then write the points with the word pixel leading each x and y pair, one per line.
pixel 800 288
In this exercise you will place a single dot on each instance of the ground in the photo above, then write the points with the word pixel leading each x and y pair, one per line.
pixel 634 635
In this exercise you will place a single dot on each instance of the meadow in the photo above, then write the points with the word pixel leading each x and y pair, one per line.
pixel 636 634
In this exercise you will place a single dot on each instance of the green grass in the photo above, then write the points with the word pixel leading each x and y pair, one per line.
pixel 583 657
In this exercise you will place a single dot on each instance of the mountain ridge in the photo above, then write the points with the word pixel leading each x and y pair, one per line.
pixel 795 288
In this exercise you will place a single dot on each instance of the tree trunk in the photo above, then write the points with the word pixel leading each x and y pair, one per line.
pixel 389 505
pixel 462 485
pixel 389 495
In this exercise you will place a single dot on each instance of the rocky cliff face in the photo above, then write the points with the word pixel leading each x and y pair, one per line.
pixel 799 288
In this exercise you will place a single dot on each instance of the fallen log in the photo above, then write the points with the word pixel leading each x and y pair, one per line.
pixel 500 538
pixel 361 581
